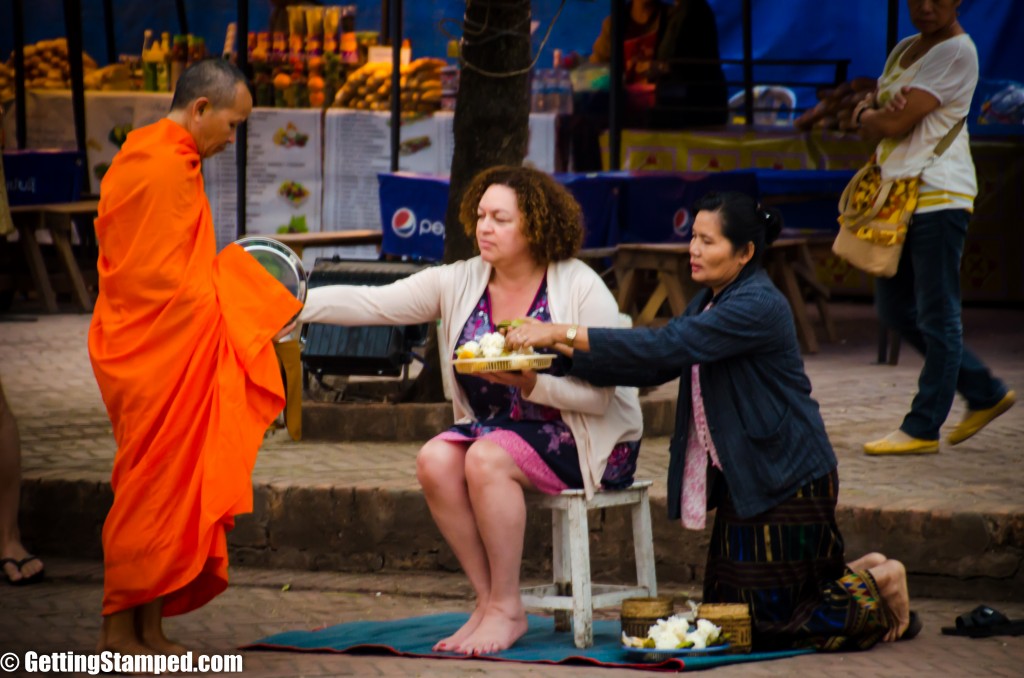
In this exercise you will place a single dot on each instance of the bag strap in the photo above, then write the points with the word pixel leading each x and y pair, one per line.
pixel 947 141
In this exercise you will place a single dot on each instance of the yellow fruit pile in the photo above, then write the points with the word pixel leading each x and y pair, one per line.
pixel 46 66
pixel 369 88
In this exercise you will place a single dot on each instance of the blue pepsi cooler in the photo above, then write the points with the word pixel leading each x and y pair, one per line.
pixel 598 196
pixel 42 177
pixel 412 210
pixel 658 206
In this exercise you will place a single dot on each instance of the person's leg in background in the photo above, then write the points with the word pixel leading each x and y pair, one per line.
pixel 923 302
pixel 895 301
pixel 19 567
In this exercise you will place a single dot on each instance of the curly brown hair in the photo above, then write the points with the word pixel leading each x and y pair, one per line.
pixel 552 221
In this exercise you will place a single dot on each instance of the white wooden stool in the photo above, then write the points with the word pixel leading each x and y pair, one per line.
pixel 570 561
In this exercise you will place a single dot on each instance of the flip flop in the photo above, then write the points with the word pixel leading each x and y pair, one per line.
pixel 913 628
pixel 24 581
pixel 984 622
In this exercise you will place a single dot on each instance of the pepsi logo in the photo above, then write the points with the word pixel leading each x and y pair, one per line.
pixel 403 222
pixel 681 222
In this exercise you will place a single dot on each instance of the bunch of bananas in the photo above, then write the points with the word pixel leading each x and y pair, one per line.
pixel 46 66
pixel 369 88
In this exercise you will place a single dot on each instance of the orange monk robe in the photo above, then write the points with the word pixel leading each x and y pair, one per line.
pixel 181 345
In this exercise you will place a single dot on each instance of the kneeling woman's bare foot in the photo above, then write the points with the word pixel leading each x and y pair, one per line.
pixel 498 630
pixel 891 578
pixel 452 642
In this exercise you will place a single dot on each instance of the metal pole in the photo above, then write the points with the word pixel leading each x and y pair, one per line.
pixel 242 137
pixel 182 17
pixel 748 64
pixel 396 75
pixel 73 28
pixel 615 84
pixel 892 26
pixel 20 119
pixel 108 24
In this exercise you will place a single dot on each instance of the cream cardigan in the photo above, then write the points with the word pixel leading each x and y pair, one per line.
pixel 599 418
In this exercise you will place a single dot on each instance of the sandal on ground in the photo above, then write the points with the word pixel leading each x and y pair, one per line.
pixel 914 628
pixel 984 622
pixel 24 581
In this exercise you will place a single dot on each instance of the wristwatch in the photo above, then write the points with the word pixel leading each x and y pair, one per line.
pixel 570 334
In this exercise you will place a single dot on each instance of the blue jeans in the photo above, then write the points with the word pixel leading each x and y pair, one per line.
pixel 922 302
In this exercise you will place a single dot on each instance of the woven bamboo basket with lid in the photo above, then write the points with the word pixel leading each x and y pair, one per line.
pixel 638 615
pixel 734 618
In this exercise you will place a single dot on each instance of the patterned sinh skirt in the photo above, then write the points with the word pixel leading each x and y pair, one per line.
pixel 788 565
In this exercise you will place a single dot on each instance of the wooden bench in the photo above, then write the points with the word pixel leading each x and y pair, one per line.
pixel 56 219
pixel 298 242
pixel 787 261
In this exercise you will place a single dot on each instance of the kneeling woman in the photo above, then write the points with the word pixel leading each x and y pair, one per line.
pixel 750 442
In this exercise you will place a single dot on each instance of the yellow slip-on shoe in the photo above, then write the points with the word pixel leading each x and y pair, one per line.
pixel 899 442
pixel 975 420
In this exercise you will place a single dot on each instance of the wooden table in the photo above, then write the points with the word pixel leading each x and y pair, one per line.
pixel 56 219
pixel 298 242
pixel 787 261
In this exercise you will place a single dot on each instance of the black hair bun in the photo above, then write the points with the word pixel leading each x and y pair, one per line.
pixel 772 220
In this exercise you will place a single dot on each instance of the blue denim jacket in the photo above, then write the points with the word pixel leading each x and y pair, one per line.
pixel 766 427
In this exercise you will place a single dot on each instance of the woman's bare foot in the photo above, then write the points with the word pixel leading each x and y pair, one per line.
pixel 452 642
pixel 891 578
pixel 498 631
pixel 866 562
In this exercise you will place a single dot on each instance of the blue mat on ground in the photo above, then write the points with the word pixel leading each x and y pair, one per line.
pixel 415 636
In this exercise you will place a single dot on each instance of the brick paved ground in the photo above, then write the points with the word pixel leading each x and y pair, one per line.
pixel 971 491
pixel 62 615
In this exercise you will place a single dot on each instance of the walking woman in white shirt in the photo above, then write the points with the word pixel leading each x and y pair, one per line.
pixel 923 93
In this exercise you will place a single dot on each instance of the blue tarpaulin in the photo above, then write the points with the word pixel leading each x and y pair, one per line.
pixel 781 30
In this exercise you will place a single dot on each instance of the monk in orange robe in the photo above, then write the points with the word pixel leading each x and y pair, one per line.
pixel 181 345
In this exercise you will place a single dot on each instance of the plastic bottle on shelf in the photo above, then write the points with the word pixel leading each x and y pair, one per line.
pixel 179 57
pixel 163 63
pixel 228 53
pixel 538 102
pixel 149 62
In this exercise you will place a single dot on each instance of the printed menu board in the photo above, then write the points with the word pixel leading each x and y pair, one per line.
pixel 540 151
pixel 283 171
pixel 357 146
pixel 220 178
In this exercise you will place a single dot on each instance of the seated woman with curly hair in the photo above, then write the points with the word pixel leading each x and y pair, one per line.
pixel 514 431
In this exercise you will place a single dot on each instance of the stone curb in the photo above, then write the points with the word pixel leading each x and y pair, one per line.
pixel 369 529
pixel 418 422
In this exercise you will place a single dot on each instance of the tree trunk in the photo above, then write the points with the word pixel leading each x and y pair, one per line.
pixel 491 127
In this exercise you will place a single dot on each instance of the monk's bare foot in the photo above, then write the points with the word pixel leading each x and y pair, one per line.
pixel 498 631
pixel 162 645
pixel 891 578
pixel 452 642
pixel 123 646
pixel 866 562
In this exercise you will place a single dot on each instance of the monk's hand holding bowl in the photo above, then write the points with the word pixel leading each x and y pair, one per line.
pixel 285 331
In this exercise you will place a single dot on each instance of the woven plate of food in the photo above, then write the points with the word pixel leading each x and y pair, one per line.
pixel 505 363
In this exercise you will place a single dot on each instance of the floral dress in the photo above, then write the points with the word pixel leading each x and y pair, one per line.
pixel 534 435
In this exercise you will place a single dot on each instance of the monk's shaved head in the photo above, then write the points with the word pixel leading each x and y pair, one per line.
pixel 215 79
